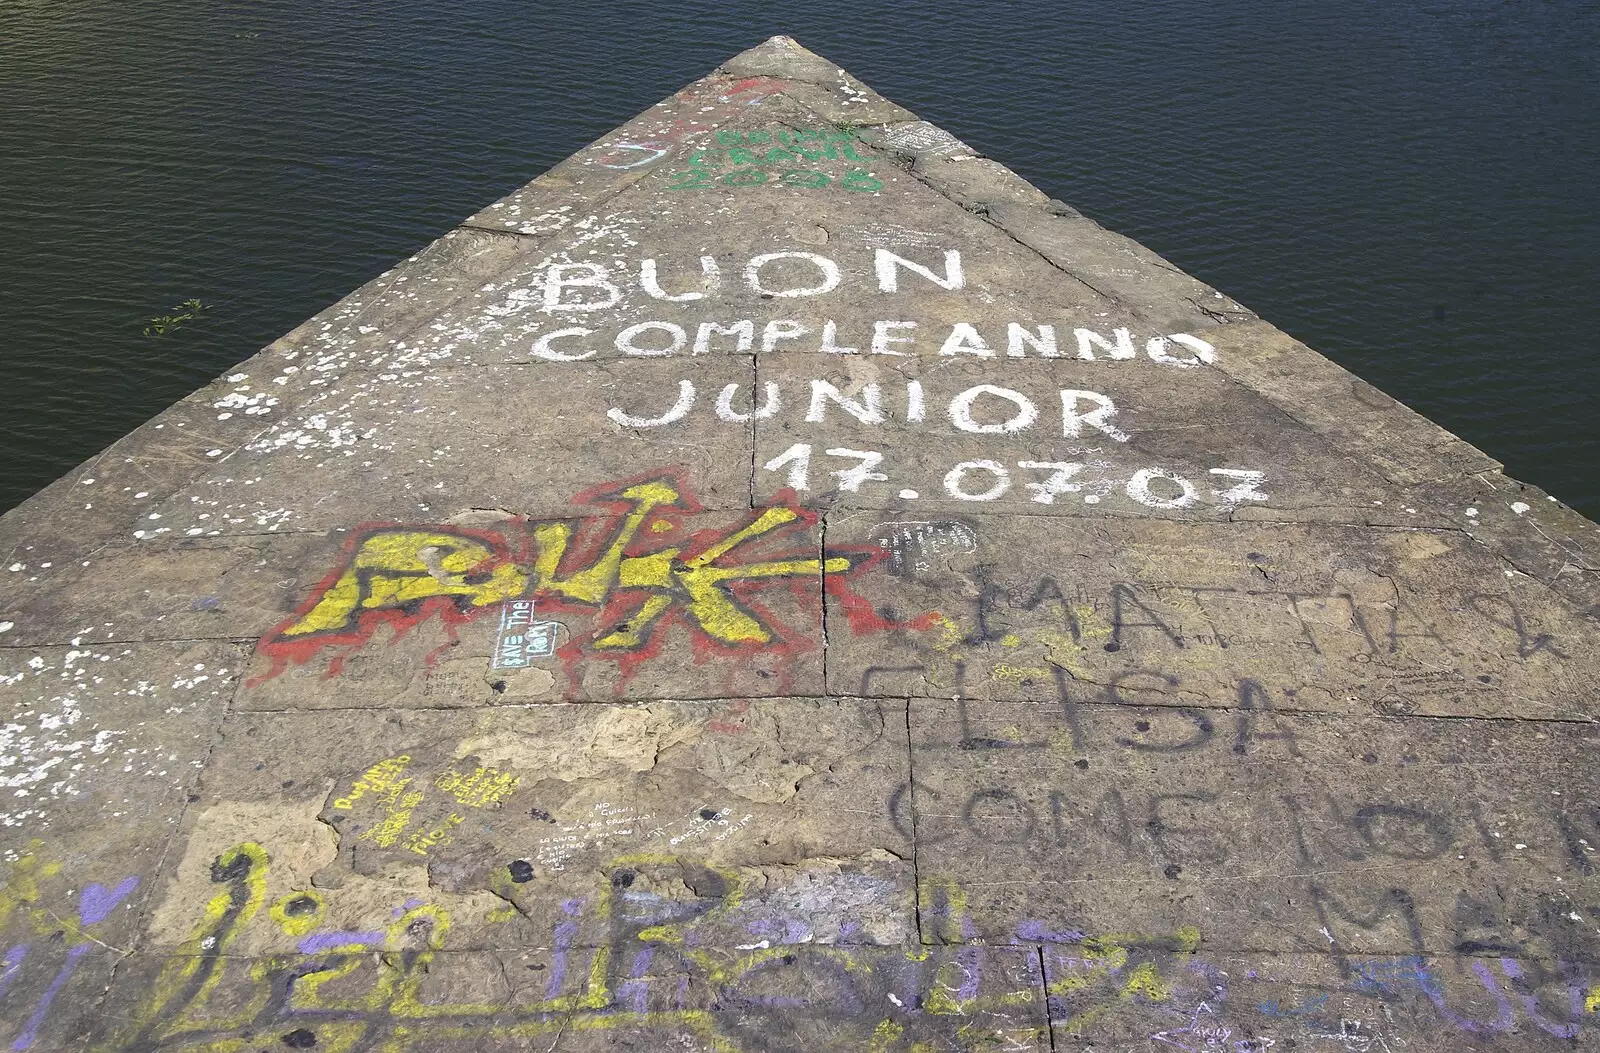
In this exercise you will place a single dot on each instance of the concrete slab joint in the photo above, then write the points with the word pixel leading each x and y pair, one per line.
pixel 779 581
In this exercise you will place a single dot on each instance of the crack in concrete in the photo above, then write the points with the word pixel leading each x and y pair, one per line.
pixel 911 809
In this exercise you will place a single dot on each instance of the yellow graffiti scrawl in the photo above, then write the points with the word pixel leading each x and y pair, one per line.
pixel 397 568
pixel 658 972
pixel 484 788
pixel 698 583
pixel 355 991
pixel 404 575
pixel 395 793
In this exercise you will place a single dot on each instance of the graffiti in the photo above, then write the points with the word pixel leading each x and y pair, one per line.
pixel 521 639
pixel 392 804
pixel 57 943
pixel 617 154
pixel 1087 419
pixel 622 570
pixel 748 91
pixel 1506 616
pixel 919 137
pixel 914 546
pixel 1203 1034
pixel 786 157
pixel 804 140
pixel 398 571
pixel 1026 630
pixel 650 971
pixel 857 179
pixel 1084 416
pixel 1324 827
pixel 989 480
pixel 1142 827
pixel 642 146
pixel 774 275
pixel 826 337
pixel 622 959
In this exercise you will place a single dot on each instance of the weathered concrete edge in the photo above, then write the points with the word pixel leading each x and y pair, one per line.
pixel 147 458
pixel 42 516
pixel 1532 531
pixel 1535 534
pixel 446 258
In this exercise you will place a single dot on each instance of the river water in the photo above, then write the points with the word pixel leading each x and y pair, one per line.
pixel 1411 188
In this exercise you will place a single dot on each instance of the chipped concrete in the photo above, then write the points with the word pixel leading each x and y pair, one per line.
pixel 779 581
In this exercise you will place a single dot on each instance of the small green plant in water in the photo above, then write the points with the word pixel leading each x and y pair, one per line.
pixel 187 311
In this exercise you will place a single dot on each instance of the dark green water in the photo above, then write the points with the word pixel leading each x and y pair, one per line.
pixel 1410 188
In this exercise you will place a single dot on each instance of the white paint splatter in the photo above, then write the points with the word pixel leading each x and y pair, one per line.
pixel 51 746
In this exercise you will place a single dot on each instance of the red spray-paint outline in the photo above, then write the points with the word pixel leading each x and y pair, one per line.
pixel 787 642
pixel 590 537
pixel 285 651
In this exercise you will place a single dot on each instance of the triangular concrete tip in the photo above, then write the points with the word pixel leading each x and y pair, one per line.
pixel 987 637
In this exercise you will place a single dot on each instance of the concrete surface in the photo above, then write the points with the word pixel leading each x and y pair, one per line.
pixel 778 581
